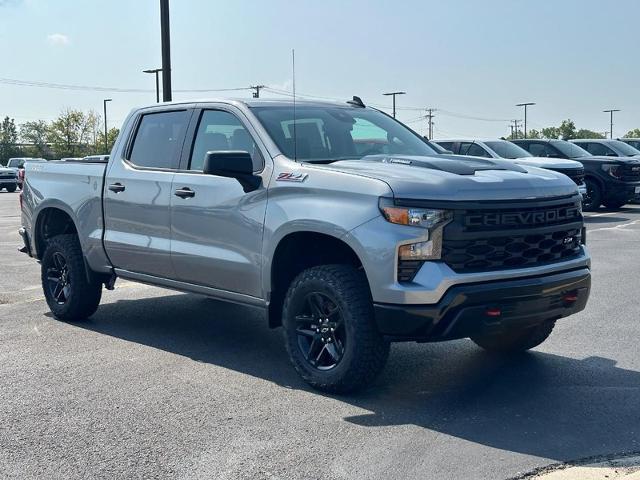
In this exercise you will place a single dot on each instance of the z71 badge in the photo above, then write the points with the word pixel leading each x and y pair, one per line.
pixel 291 177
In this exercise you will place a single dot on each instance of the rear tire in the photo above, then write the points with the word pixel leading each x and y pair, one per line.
pixel 69 294
pixel 516 340
pixel 329 329
pixel 593 199
pixel 11 189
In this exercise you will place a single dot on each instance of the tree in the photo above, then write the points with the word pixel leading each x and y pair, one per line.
pixel 533 133
pixel 586 133
pixel 73 133
pixel 635 133
pixel 8 139
pixel 37 134
pixel 112 134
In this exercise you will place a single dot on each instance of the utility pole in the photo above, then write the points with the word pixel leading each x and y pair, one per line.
pixel 166 50
pixel 429 116
pixel 514 129
pixel 511 127
pixel 611 120
pixel 525 105
pixel 394 94
pixel 104 105
pixel 257 89
pixel 156 71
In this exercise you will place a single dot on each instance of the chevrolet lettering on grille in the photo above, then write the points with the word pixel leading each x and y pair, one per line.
pixel 526 218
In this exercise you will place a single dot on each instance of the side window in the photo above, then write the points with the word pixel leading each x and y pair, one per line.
pixel 536 149
pixel 597 149
pixel 219 130
pixel 446 145
pixel 472 149
pixel 158 140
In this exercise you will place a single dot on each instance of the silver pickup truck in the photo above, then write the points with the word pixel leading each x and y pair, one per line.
pixel 338 222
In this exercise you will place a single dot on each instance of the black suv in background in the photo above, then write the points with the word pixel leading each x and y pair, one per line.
pixel 634 142
pixel 612 181
pixel 606 148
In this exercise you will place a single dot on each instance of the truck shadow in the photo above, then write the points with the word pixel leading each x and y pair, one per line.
pixel 536 403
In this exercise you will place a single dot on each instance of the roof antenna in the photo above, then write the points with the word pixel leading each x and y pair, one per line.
pixel 357 102
pixel 295 137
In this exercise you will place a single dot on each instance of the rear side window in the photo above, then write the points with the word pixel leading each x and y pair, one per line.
pixel 446 145
pixel 159 139
pixel 597 149
pixel 472 149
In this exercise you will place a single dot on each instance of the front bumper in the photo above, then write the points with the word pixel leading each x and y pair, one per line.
pixel 622 191
pixel 8 182
pixel 463 310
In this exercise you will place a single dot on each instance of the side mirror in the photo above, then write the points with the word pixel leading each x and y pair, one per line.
pixel 232 164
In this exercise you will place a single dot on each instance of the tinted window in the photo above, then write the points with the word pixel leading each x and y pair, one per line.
pixel 473 149
pixel 598 149
pixel 570 150
pixel 506 149
pixel 159 139
pixel 446 145
pixel 220 130
pixel 623 148
pixel 330 133
pixel 542 150
pixel 15 163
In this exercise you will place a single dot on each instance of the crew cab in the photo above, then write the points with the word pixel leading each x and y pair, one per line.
pixel 508 151
pixel 278 206
pixel 612 181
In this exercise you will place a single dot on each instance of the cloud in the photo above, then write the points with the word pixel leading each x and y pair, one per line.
pixel 58 39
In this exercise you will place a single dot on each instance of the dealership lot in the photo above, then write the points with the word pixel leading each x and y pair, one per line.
pixel 160 383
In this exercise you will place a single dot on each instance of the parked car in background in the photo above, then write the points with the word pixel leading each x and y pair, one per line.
pixel 508 151
pixel 8 179
pixel 437 147
pixel 607 148
pixel 17 165
pixel 634 142
pixel 612 181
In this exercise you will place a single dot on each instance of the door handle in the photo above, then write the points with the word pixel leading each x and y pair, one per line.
pixel 185 192
pixel 117 187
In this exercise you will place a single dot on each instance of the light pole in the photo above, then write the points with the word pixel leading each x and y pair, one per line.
pixel 393 94
pixel 104 104
pixel 525 105
pixel 611 121
pixel 166 50
pixel 156 71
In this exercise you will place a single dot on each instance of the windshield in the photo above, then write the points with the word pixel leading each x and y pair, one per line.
pixel 15 163
pixel 571 150
pixel 626 150
pixel 331 133
pixel 506 149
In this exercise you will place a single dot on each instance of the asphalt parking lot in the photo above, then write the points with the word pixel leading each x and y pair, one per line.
pixel 159 384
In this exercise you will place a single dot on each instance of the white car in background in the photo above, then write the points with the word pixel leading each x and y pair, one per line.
pixel 506 150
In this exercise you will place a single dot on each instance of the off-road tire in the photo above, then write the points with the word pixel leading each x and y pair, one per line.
pixel 84 295
pixel 365 350
pixel 516 340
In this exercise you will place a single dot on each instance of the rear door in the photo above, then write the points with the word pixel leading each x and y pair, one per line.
pixel 217 229
pixel 138 193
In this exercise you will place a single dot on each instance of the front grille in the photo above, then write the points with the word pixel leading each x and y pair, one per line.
pixel 575 174
pixel 520 236
pixel 7 177
pixel 630 173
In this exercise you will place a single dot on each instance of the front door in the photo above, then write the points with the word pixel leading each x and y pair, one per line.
pixel 217 227
pixel 137 194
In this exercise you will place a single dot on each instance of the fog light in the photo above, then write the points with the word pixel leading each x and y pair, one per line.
pixel 416 251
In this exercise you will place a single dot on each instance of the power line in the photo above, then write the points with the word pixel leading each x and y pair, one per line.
pixel 93 88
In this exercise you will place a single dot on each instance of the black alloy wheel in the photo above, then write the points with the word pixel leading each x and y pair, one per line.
pixel 321 331
pixel 59 279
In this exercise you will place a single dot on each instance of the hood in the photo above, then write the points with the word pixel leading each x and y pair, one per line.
pixel 451 177
pixel 546 162
pixel 604 159
pixel 8 170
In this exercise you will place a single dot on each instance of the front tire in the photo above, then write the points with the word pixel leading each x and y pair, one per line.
pixel 329 329
pixel 69 294
pixel 516 340
pixel 593 199
pixel 11 189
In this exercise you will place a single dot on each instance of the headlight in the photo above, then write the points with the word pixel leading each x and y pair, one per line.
pixel 416 217
pixel 614 170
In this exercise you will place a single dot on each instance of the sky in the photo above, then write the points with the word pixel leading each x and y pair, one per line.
pixel 471 60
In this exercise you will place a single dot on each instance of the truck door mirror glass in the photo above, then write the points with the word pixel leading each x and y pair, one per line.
pixel 232 164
